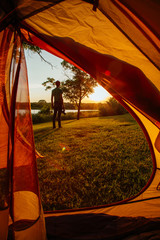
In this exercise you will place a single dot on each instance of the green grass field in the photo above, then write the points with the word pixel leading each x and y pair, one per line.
pixel 93 161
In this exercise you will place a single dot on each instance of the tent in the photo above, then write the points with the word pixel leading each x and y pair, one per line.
pixel 117 43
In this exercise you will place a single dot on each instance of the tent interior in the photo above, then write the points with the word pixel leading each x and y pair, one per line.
pixel 117 43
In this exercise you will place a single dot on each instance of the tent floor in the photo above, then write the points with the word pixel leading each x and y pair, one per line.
pixel 100 227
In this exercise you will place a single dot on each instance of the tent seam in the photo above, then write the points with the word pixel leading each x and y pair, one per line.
pixel 126 35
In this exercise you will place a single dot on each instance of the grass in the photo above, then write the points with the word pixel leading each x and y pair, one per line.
pixel 93 161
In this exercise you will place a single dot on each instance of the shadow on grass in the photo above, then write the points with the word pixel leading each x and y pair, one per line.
pixel 41 134
pixel 69 121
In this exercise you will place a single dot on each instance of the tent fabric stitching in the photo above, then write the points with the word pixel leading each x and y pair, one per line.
pixel 130 39
pixel 140 17
pixel 134 22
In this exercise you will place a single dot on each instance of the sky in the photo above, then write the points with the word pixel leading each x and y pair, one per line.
pixel 39 71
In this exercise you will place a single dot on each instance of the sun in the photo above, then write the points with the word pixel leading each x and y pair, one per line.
pixel 99 95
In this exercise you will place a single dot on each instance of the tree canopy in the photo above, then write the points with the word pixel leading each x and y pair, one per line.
pixel 37 50
pixel 49 83
pixel 78 85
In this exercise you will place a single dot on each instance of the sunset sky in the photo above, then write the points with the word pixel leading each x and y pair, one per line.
pixel 39 71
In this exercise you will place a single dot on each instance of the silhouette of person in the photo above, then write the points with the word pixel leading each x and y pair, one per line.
pixel 58 105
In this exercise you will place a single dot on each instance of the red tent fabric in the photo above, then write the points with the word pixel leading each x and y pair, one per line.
pixel 115 41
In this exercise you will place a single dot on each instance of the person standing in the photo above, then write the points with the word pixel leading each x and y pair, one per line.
pixel 58 105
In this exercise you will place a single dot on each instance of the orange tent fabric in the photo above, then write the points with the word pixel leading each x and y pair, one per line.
pixel 19 185
pixel 117 42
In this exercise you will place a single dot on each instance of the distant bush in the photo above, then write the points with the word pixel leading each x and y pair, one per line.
pixel 105 110
pixel 45 109
pixel 39 105
pixel 111 107
pixel 45 117
pixel 68 116
pixel 88 114
pixel 41 118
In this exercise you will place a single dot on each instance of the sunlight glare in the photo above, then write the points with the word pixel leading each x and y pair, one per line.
pixel 100 94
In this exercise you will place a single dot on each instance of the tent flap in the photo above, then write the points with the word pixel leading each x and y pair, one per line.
pixel 18 179
pixel 117 43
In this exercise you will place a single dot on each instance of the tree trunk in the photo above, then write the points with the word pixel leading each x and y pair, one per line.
pixel 79 108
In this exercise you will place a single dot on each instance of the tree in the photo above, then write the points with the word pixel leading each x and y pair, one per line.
pixel 37 50
pixel 42 102
pixel 77 86
pixel 50 83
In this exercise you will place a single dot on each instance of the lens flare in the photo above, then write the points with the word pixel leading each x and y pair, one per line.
pixel 64 147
